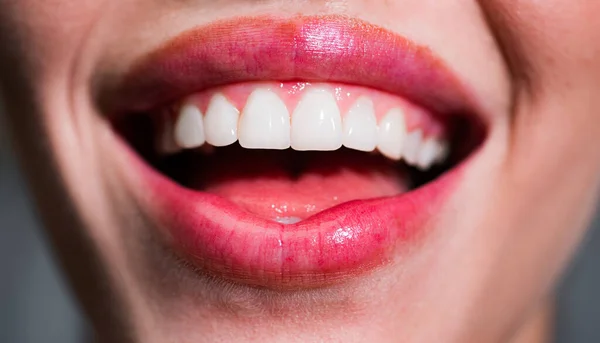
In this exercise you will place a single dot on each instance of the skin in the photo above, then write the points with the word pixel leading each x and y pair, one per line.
pixel 486 274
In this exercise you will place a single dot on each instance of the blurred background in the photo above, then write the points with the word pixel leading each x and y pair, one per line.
pixel 36 305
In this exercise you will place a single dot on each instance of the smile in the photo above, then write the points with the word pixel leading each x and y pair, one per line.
pixel 293 153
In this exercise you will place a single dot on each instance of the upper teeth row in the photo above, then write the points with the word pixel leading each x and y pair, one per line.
pixel 315 124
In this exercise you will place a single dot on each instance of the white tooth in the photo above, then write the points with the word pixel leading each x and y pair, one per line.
pixel 166 142
pixel 316 122
pixel 265 122
pixel 288 220
pixel 427 154
pixel 189 128
pixel 360 126
pixel 392 134
pixel 220 122
pixel 412 147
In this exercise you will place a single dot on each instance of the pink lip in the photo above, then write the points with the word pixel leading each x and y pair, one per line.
pixel 315 48
pixel 343 241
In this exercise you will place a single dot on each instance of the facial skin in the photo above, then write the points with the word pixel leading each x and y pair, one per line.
pixel 497 245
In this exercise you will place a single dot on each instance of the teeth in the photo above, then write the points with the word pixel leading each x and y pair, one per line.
pixel 428 154
pixel 221 122
pixel 265 122
pixel 189 128
pixel 392 134
pixel 316 122
pixel 443 151
pixel 166 142
pixel 360 126
pixel 412 146
pixel 288 220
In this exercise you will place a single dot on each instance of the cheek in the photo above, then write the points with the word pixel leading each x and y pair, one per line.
pixel 554 51
pixel 551 173
pixel 49 34
pixel 547 42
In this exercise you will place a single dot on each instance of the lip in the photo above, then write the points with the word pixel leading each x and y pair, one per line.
pixel 347 240
pixel 330 48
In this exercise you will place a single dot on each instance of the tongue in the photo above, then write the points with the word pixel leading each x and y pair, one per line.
pixel 289 186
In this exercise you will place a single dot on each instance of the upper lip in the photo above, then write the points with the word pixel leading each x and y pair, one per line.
pixel 334 243
pixel 316 48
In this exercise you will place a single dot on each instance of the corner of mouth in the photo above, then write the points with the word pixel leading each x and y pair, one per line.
pixel 252 210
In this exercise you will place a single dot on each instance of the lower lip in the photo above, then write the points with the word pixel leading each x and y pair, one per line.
pixel 347 240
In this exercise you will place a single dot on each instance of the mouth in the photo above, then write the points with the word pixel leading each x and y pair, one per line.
pixel 292 153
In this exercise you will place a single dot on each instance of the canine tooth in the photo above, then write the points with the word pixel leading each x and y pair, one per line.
pixel 427 154
pixel 166 142
pixel 221 121
pixel 412 147
pixel 265 122
pixel 392 134
pixel 189 127
pixel 360 126
pixel 316 122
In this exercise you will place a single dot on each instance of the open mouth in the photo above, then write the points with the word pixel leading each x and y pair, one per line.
pixel 287 151
pixel 299 158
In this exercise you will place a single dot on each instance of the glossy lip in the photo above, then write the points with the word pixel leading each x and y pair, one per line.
pixel 222 240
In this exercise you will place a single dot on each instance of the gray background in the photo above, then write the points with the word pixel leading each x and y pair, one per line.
pixel 36 306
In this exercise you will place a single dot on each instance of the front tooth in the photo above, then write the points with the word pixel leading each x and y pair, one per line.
pixel 221 121
pixel 412 147
pixel 427 154
pixel 189 127
pixel 316 122
pixel 360 126
pixel 265 122
pixel 392 134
